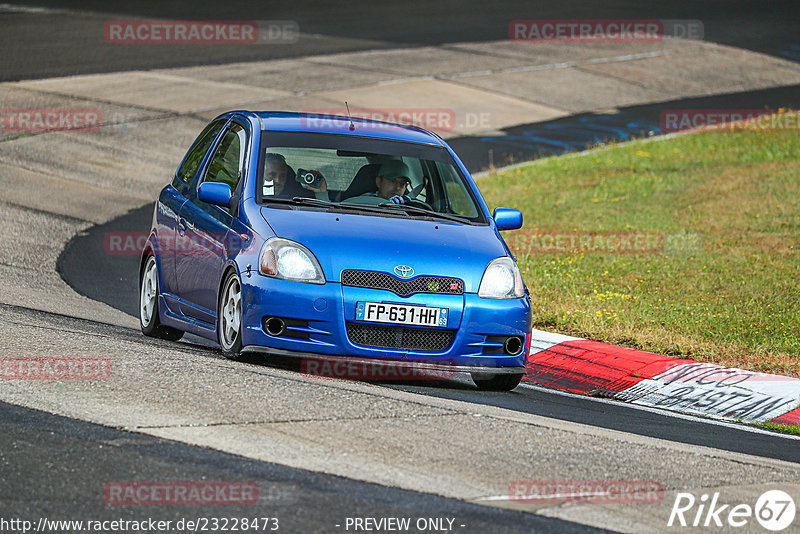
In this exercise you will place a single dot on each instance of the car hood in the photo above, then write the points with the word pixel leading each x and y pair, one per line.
pixel 343 241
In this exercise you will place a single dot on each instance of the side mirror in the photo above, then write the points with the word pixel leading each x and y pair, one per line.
pixel 215 193
pixel 507 218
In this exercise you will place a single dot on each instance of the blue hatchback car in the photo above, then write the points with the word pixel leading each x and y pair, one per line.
pixel 320 236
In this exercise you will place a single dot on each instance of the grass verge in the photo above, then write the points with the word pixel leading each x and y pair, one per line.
pixel 784 429
pixel 687 246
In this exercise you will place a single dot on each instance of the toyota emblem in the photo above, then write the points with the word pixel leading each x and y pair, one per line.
pixel 404 271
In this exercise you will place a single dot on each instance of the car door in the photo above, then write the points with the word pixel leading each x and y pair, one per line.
pixel 171 201
pixel 204 228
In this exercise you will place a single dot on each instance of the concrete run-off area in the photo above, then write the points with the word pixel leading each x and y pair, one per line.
pixel 56 184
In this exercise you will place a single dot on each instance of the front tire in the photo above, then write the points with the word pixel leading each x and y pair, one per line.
pixel 229 317
pixel 148 305
pixel 497 382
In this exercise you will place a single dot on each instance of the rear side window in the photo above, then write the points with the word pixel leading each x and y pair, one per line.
pixel 199 148
pixel 226 163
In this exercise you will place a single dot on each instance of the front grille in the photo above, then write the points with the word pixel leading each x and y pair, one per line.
pixel 400 337
pixel 420 284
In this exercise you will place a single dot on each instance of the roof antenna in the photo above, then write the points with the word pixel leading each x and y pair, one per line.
pixel 352 126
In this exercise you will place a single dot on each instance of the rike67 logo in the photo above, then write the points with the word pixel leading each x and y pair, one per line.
pixel 774 510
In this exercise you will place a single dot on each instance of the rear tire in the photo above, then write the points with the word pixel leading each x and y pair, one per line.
pixel 229 317
pixel 148 305
pixel 497 382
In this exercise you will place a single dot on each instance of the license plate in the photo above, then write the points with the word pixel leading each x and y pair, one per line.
pixel 401 314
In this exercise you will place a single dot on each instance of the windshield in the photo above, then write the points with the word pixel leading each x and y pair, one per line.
pixel 361 174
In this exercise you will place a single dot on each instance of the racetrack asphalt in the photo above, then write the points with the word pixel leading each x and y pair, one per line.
pixel 112 278
pixel 41 43
pixel 157 382
pixel 56 468
pixel 411 439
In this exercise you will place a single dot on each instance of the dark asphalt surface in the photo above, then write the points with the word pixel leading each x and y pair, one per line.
pixel 526 142
pixel 56 468
pixel 70 41
pixel 578 409
pixel 112 279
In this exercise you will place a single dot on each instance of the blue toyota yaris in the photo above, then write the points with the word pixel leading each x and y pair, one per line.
pixel 320 236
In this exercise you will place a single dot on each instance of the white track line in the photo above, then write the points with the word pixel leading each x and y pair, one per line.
pixel 569 498
pixel 11 8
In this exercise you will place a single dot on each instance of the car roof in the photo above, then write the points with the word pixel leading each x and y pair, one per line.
pixel 336 124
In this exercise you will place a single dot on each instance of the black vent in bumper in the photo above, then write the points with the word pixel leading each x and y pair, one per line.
pixel 400 337
pixel 421 284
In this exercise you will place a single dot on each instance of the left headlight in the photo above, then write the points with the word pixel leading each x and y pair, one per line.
pixel 281 258
pixel 501 280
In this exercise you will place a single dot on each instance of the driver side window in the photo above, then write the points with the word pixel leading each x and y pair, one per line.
pixel 227 163
pixel 198 150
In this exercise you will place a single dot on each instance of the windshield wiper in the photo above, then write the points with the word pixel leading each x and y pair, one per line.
pixel 425 211
pixel 299 200
pixel 354 206
pixel 344 205
pixel 314 201
pixel 369 207
pixel 372 208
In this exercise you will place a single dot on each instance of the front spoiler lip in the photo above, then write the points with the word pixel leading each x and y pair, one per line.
pixel 404 364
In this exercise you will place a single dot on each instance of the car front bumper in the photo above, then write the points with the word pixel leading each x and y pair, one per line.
pixel 322 311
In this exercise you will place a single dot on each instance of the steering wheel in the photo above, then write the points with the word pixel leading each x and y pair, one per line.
pixel 418 203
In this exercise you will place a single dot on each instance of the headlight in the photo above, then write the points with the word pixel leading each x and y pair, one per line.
pixel 281 258
pixel 501 280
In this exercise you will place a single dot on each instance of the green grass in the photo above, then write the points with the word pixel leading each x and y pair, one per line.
pixel 785 429
pixel 725 286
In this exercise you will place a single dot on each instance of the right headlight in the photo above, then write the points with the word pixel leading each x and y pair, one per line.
pixel 501 280
pixel 281 258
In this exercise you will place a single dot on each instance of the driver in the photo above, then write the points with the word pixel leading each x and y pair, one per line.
pixel 391 184
pixel 284 184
